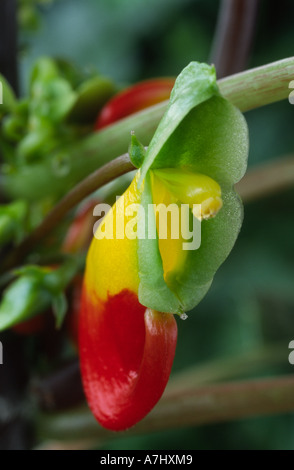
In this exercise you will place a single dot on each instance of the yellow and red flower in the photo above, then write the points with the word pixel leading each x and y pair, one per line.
pixel 133 99
pixel 134 284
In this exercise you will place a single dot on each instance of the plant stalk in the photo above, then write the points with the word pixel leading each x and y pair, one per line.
pixel 100 177
pixel 247 90
pixel 234 35
pixel 257 183
pixel 193 406
pixel 267 179
pixel 264 85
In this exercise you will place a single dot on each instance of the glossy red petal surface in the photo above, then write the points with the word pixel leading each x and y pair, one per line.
pixel 133 99
pixel 126 354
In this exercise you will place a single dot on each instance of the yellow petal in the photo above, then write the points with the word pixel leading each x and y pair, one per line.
pixel 112 262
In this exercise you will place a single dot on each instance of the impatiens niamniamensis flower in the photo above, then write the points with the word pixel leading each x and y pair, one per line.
pixel 134 286
pixel 133 99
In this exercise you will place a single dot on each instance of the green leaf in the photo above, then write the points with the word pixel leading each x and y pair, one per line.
pixel 35 144
pixel 137 151
pixel 90 97
pixel 12 221
pixel 218 236
pixel 57 280
pixel 204 133
pixel 22 300
pixel 51 95
pixel 59 305
pixel 51 99
pixel 153 291
pixel 36 289
pixel 195 85
pixel 212 139
pixel 44 70
pixel 7 96
pixel 13 127
pixel 33 271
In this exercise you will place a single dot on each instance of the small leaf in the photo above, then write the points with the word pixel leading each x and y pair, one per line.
pixel 51 100
pixel 7 96
pixel 36 289
pixel 22 300
pixel 59 305
pixel 31 270
pixel 195 85
pixel 35 144
pixel 137 152
pixel 12 221
pixel 44 70
pixel 153 290
pixel 201 132
pixel 57 280
pixel 90 97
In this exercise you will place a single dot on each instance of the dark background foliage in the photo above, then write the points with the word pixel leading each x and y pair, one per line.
pixel 251 303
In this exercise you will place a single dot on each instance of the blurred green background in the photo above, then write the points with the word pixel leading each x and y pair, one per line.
pixel 251 303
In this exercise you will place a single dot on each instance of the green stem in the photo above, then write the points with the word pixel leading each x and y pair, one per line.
pixel 233 35
pixel 94 181
pixel 260 86
pixel 266 84
pixel 188 407
pixel 232 367
pixel 247 90
pixel 267 179
pixel 47 179
pixel 262 181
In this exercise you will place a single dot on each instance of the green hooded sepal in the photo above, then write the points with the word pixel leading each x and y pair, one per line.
pixel 203 133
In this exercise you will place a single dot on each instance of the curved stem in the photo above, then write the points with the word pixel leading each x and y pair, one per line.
pixel 190 407
pixel 247 90
pixel 259 86
pixel 258 182
pixel 100 177
pixel 233 36
pixel 256 87
pixel 267 179
pixel 52 391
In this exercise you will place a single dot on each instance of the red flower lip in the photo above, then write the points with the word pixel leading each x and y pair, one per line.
pixel 133 99
pixel 127 353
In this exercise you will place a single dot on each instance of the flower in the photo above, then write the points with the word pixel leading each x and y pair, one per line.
pixel 135 282
pixel 133 99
